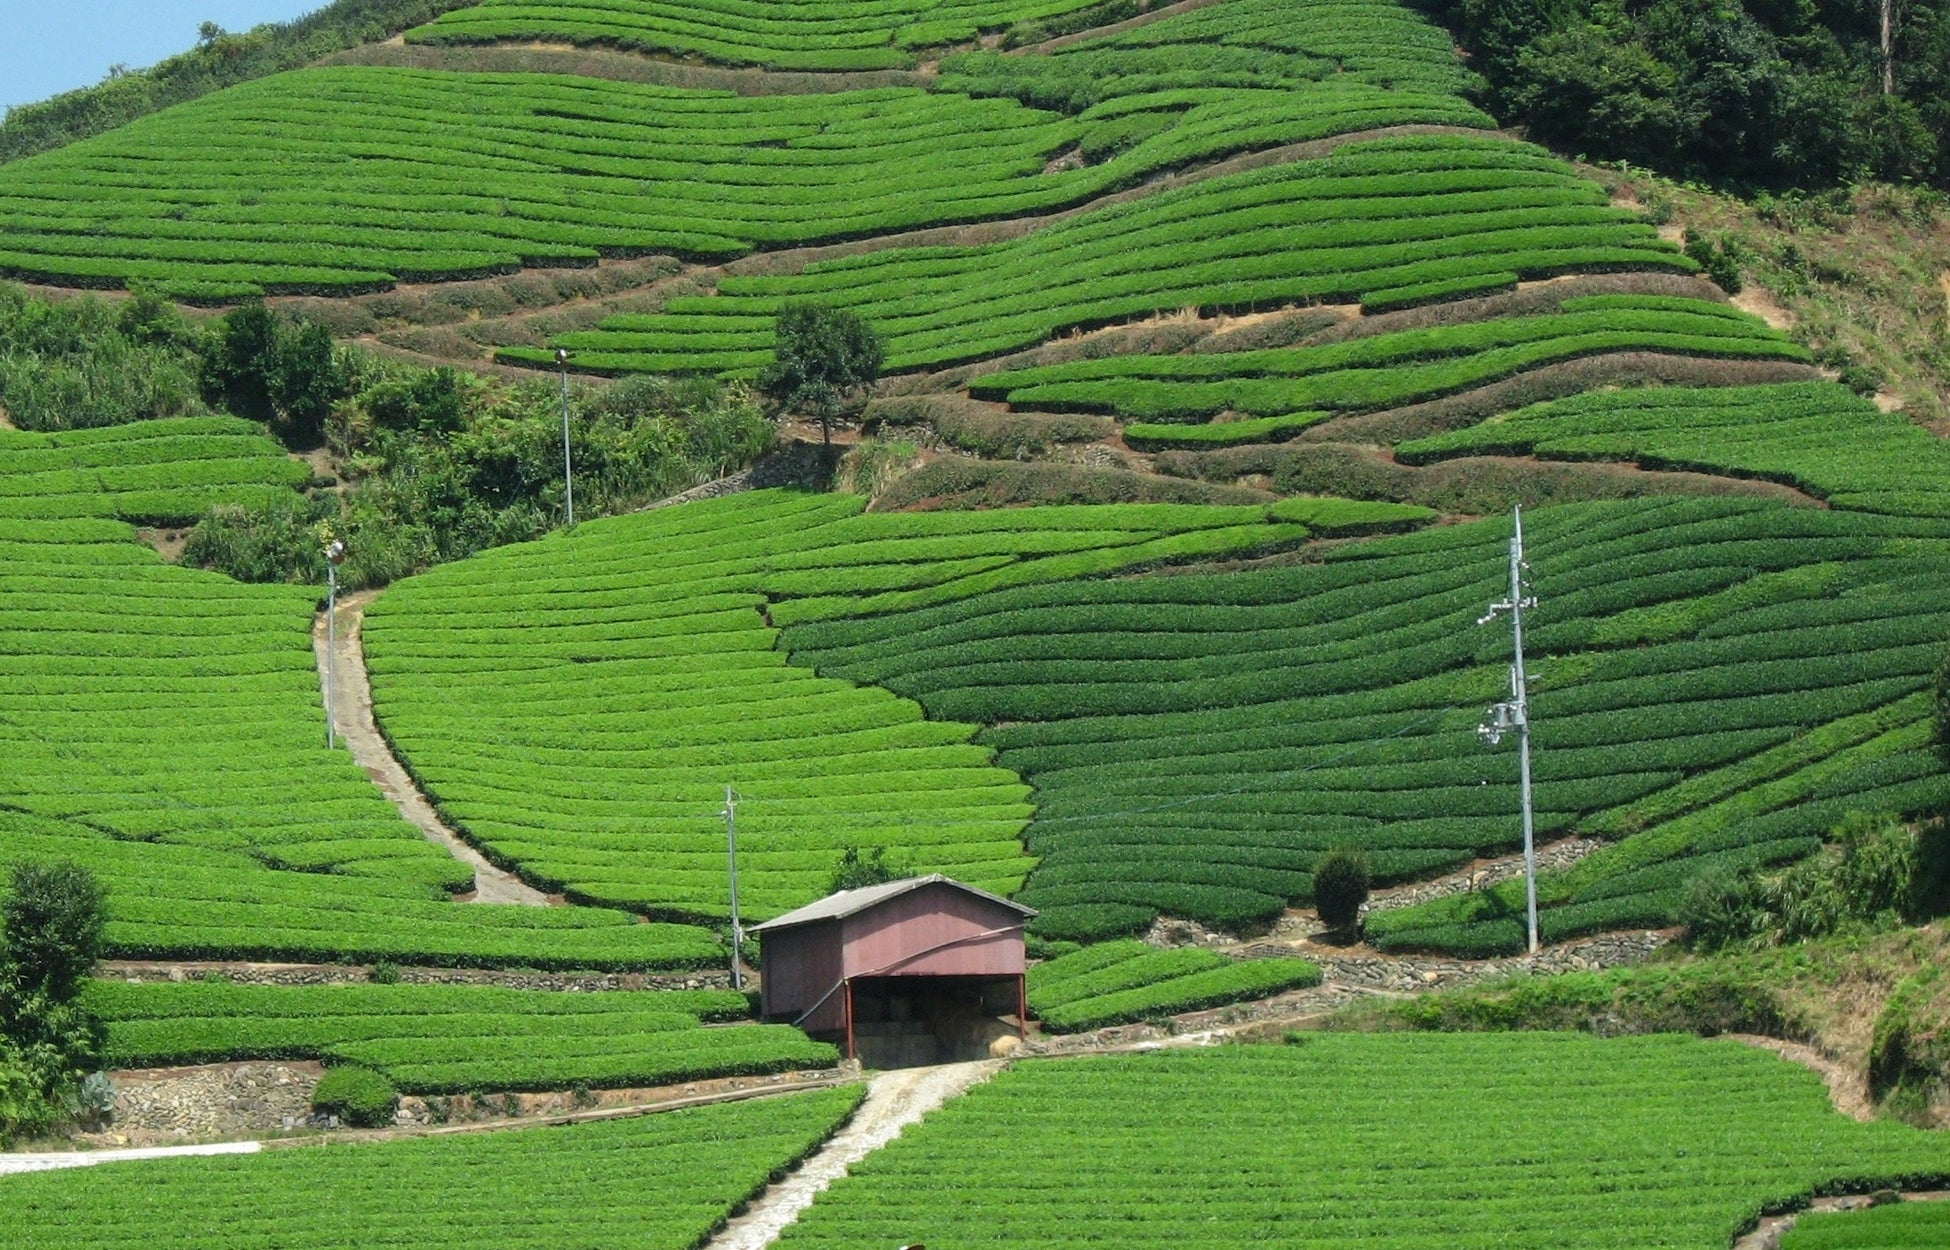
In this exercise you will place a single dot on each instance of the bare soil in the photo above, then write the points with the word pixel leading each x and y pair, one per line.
pixel 168 543
pixel 1761 303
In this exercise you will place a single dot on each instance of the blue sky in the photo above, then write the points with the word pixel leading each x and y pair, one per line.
pixel 51 46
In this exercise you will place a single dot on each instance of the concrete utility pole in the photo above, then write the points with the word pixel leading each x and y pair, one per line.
pixel 334 556
pixel 1515 714
pixel 730 814
pixel 568 475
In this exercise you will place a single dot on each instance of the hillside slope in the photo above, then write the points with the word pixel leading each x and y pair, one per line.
pixel 164 727
pixel 1249 247
pixel 580 705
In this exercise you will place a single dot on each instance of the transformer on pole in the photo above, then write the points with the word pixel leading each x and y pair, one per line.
pixel 1515 715
pixel 730 814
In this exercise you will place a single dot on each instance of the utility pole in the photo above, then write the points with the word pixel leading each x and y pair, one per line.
pixel 1515 714
pixel 568 476
pixel 334 556
pixel 730 814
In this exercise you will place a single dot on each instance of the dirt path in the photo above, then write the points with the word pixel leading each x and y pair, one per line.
pixel 1115 28
pixel 894 1101
pixel 1848 1089
pixel 1767 1234
pixel 352 704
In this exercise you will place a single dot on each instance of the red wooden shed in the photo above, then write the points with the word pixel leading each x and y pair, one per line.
pixel 913 971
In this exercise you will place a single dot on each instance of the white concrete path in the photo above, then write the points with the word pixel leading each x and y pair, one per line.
pixel 11 1164
pixel 894 1101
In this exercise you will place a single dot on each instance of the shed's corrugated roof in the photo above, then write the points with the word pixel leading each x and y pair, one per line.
pixel 852 902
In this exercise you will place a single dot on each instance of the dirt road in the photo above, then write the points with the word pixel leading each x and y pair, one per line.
pixel 352 713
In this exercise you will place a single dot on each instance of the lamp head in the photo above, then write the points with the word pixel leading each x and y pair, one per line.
pixel 562 356
pixel 335 552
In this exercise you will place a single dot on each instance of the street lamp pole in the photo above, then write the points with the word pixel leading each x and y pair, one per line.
pixel 334 556
pixel 568 476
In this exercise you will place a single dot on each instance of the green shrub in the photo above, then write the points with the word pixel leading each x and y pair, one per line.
pixel 1341 881
pixel 855 871
pixel 1871 878
pixel 278 540
pixel 1930 885
pixel 1721 909
pixel 81 364
pixel 1714 258
pixel 51 923
pixel 359 1097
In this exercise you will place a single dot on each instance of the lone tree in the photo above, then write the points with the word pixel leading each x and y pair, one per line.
pixel 51 923
pixel 826 359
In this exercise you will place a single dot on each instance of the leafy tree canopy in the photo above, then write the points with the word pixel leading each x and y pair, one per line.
pixel 51 923
pixel 1748 93
pixel 825 358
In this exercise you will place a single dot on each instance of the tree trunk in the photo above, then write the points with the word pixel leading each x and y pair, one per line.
pixel 1889 47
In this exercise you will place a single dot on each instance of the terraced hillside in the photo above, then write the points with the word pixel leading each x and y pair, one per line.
pixel 663 1182
pixel 164 727
pixel 1725 681
pixel 1596 1144
pixel 561 170
pixel 1251 250
pixel 579 705
pixel 801 35
pixel 1717 684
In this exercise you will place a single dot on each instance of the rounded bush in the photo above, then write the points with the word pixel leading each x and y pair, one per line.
pixel 1340 887
pixel 358 1096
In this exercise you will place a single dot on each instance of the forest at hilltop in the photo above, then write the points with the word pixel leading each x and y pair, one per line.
pixel 1752 94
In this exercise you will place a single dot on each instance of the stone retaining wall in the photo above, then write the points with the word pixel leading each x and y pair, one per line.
pixel 139 972
pixel 221 1101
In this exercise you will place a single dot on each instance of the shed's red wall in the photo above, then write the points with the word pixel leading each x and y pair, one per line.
pixel 797 966
pixel 932 932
